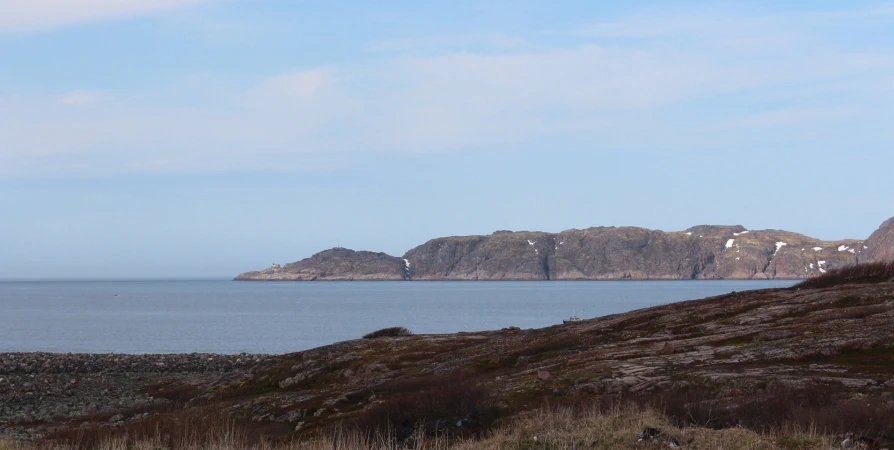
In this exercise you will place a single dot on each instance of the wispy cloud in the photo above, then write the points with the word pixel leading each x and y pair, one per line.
pixel 447 42
pixel 650 93
pixel 793 116
pixel 30 15
pixel 78 98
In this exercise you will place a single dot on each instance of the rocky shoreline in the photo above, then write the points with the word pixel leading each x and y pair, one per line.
pixel 42 388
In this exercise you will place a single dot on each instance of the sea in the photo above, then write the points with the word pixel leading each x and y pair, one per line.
pixel 222 316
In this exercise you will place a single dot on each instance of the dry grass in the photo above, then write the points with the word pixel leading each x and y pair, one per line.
pixel 544 429
pixel 562 429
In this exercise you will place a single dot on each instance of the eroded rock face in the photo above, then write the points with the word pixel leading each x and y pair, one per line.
pixel 880 245
pixel 700 252
pixel 629 252
pixel 503 255
pixel 335 264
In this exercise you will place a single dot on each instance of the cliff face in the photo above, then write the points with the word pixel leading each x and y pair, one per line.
pixel 335 264
pixel 704 252
pixel 503 255
pixel 880 245
pixel 700 252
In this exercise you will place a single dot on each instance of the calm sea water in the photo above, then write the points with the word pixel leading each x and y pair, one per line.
pixel 232 317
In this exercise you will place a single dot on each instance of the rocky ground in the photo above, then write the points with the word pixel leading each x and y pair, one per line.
pixel 39 389
pixel 837 341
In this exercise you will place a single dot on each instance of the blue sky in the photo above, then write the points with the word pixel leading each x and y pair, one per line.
pixel 158 138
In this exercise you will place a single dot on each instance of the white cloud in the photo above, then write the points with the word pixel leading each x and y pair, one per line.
pixel 27 15
pixel 78 98
pixel 303 85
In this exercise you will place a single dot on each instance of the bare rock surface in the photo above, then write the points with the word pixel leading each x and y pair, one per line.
pixel 335 264
pixel 880 245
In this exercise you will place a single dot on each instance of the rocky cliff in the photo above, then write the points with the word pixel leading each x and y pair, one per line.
pixel 700 252
pixel 880 245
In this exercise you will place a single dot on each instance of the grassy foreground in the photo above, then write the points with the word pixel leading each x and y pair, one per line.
pixel 543 429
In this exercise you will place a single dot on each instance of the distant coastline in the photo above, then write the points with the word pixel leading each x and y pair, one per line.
pixel 702 252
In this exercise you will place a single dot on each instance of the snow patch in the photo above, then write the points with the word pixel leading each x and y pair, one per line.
pixel 821 263
pixel 406 264
pixel 816 249
pixel 865 247
pixel 743 232
pixel 842 248
pixel 530 242
pixel 688 233
pixel 851 250
pixel 779 245
pixel 737 258
pixel 811 265
pixel 730 242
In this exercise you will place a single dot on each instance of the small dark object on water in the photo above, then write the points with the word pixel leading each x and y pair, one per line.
pixel 388 332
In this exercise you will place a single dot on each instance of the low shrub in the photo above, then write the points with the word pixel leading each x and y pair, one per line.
pixel 821 408
pixel 454 406
pixel 876 272
pixel 388 332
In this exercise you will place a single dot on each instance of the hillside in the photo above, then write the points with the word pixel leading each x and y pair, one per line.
pixel 700 252
pixel 755 359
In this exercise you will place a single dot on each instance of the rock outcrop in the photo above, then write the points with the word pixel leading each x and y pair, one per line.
pixel 598 253
pixel 500 256
pixel 880 245
pixel 335 264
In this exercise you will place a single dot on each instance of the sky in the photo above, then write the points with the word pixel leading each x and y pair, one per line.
pixel 204 138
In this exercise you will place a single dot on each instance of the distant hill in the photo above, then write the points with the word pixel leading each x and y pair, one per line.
pixel 598 253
